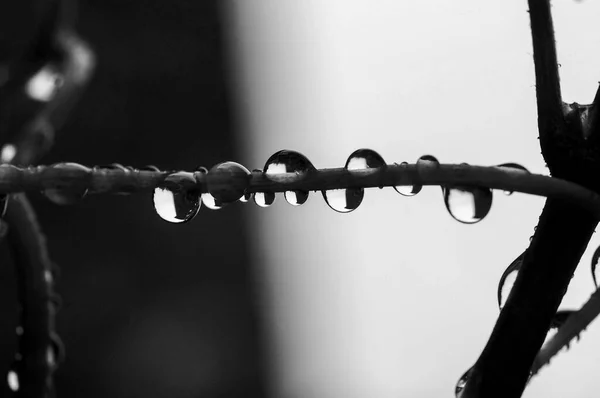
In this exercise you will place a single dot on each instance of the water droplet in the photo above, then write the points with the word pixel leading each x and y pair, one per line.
pixel 427 161
pixel 176 200
pixel 210 202
pixel 461 383
pixel 246 198
pixel 264 199
pixel 3 204
pixel 363 159
pixel 408 190
pixel 13 380
pixel 67 196
pixel 19 330
pixel 516 167
pixel 507 280
pixel 347 200
pixel 287 166
pixel 595 258
pixel 468 205
pixel 344 200
pixel 8 153
pixel 296 198
pixel 227 182
pixel 44 85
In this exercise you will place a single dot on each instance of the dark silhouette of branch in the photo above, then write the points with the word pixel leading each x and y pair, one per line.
pixel 39 348
pixel 504 366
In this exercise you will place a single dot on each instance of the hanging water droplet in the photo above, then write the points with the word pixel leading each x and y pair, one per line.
pixel 408 190
pixel 245 198
pixel 176 200
pixel 516 167
pixel 67 196
pixel 12 379
pixel 264 199
pixel 226 182
pixel 210 202
pixel 296 198
pixel 347 200
pixel 595 258
pixel 507 280
pixel 468 205
pixel 288 166
pixel 461 383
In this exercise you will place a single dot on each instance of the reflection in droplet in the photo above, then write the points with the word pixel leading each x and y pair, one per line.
pixel 226 182
pixel 507 280
pixel 245 198
pixel 468 205
pixel 175 201
pixel 13 380
pixel 408 190
pixel 296 198
pixel 67 196
pixel 343 200
pixel 264 199
pixel 287 166
pixel 461 383
pixel 516 167
pixel 595 258
pixel 44 85
pixel 347 200
pixel 210 202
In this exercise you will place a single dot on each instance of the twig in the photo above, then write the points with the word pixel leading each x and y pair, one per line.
pixel 575 324
pixel 39 347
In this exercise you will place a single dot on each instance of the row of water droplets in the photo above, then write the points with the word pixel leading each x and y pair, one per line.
pixel 177 201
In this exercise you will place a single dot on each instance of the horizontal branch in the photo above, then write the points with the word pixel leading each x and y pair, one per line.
pixel 71 176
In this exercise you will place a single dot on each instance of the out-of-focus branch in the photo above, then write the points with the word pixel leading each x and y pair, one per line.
pixel 39 348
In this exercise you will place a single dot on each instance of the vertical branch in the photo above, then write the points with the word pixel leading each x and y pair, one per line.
pixel 39 348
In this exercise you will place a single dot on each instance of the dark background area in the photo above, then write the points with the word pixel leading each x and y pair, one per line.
pixel 150 309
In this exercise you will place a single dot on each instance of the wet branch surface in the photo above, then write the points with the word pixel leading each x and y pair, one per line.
pixel 560 239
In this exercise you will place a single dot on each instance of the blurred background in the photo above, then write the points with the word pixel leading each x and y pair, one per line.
pixel 394 299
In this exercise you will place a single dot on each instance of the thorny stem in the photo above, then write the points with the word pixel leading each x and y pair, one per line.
pixel 575 324
pixel 129 180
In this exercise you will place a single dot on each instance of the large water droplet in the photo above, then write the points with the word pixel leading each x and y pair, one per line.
pixel 461 383
pixel 12 379
pixel 67 196
pixel 176 200
pixel 507 280
pixel 287 166
pixel 7 153
pixel 516 167
pixel 427 161
pixel 595 258
pixel 408 190
pixel 264 199
pixel 468 205
pixel 347 200
pixel 226 182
